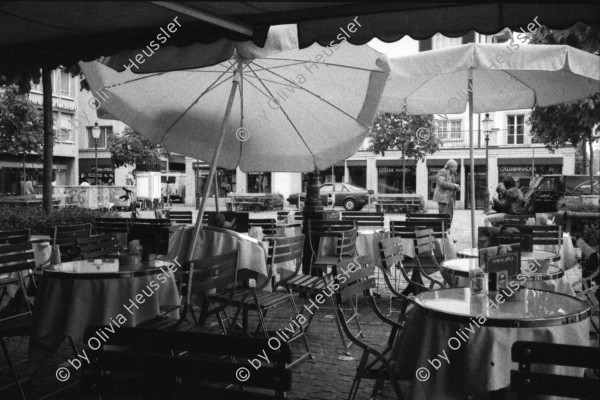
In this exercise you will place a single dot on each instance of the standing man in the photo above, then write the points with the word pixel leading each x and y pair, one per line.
pixel 446 188
pixel 169 193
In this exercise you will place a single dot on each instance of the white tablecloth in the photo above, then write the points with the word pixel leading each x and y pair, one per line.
pixel 567 252
pixel 480 364
pixel 442 246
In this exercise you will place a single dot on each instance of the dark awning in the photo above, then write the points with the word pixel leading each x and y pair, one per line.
pixel 51 33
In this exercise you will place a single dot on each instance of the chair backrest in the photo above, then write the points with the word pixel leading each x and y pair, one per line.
pixel 524 239
pixel 14 237
pixel 391 253
pixel 364 218
pixel 428 217
pixel 136 363
pixel 180 217
pixel 217 273
pixel 268 225
pixel 541 234
pixel 152 233
pixel 98 246
pixel 358 277
pixel 282 215
pixel 406 229
pixel 112 225
pixel 424 242
pixel 282 249
pixel 517 219
pixel 16 260
pixel 525 383
pixel 66 235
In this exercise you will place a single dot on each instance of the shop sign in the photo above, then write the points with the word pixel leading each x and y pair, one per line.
pixel 392 170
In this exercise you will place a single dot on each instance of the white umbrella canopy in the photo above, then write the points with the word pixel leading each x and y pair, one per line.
pixel 436 81
pixel 489 77
pixel 303 109
pixel 296 110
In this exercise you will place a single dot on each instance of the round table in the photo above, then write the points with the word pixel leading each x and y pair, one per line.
pixel 456 274
pixel 74 295
pixel 541 308
pixel 539 255
pixel 455 345
pixel 472 252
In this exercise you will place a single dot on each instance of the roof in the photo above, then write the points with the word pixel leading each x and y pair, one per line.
pixel 51 33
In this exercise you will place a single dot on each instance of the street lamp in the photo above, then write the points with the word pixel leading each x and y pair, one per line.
pixel 96 135
pixel 487 129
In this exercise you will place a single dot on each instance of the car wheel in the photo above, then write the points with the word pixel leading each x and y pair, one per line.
pixel 301 205
pixel 349 204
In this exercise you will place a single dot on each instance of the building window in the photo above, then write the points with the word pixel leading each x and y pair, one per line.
pixel 449 129
pixel 65 83
pixel 515 133
pixel 440 41
pixel 259 182
pixel 61 125
pixel 102 141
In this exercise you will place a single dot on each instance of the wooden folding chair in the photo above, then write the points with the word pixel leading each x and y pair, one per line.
pixel 526 383
pixel 15 236
pixel 268 225
pixel 99 246
pixel 370 219
pixel 374 364
pixel 16 263
pixel 180 217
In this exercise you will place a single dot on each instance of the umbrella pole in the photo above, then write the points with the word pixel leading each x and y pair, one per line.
pixel 216 194
pixel 213 166
pixel 472 156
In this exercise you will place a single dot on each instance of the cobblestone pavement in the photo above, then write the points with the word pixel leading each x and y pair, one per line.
pixel 326 377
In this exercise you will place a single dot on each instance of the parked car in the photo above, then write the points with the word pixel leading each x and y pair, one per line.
pixel 351 197
pixel 548 191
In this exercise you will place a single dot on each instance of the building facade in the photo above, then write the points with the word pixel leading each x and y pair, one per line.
pixel 65 92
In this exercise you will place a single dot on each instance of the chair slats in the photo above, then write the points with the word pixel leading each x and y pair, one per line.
pixel 364 218
pixel 98 246
pixel 268 225
pixel 14 237
pixel 180 217
pixel 142 359
pixel 110 225
pixel 526 383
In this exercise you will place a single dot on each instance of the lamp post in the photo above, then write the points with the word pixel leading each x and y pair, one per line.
pixel 96 135
pixel 487 129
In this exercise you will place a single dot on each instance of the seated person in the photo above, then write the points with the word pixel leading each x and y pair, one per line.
pixel 511 203
pixel 221 222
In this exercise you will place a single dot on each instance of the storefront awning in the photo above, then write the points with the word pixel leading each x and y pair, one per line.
pixel 395 163
pixel 14 164
pixel 529 161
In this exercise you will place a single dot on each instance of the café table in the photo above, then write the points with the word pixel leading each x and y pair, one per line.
pixel 74 295
pixel 367 244
pixel 552 277
pixel 458 346
pixel 470 252
pixel 213 241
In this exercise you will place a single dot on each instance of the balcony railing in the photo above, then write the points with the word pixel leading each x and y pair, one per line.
pixel 460 139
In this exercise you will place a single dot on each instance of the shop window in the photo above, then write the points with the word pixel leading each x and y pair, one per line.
pixel 358 176
pixel 259 182
pixel 389 179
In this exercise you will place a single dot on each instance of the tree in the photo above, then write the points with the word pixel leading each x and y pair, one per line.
pixel 21 125
pixel 130 148
pixel 411 134
pixel 574 123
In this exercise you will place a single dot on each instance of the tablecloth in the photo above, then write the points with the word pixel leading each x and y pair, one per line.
pixel 480 364
pixel 215 241
pixel 567 252
pixel 66 307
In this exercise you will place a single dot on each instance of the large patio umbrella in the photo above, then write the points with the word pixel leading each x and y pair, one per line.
pixel 275 108
pixel 489 77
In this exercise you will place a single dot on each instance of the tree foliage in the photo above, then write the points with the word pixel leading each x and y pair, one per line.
pixel 574 123
pixel 21 124
pixel 399 132
pixel 130 147
pixel 412 135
